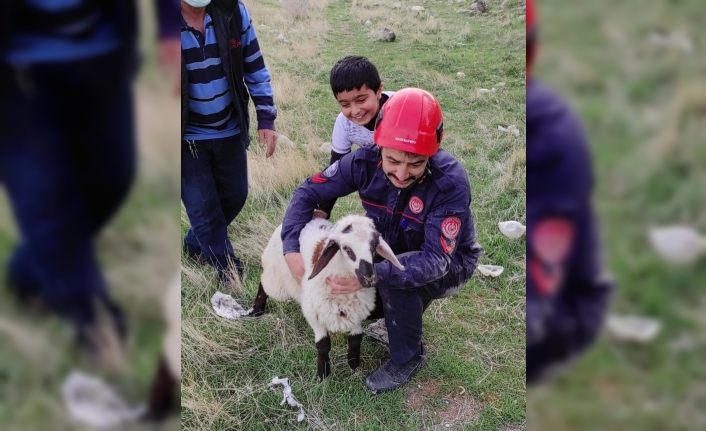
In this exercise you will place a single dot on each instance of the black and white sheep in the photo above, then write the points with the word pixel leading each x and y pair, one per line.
pixel 344 249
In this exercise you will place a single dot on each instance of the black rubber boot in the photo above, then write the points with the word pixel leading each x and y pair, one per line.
pixel 391 376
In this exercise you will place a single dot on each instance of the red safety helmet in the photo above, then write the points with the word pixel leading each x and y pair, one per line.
pixel 410 121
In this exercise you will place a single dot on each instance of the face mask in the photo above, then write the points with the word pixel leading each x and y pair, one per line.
pixel 198 3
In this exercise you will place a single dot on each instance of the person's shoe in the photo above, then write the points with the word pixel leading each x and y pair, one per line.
pixel 391 376
pixel 26 291
pixel 377 331
pixel 193 255
pixel 101 334
pixel 239 267
pixel 227 277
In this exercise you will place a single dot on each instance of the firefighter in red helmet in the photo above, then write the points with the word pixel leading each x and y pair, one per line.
pixel 419 198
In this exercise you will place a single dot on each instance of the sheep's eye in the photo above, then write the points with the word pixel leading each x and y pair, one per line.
pixel 349 252
pixel 348 229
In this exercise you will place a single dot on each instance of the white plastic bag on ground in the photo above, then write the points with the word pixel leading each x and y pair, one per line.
pixel 288 397
pixel 226 306
pixel 490 270
pixel 633 328
pixel 512 229
pixel 92 402
pixel 512 129
pixel 677 245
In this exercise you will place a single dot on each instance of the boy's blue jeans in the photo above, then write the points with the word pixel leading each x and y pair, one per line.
pixel 67 160
pixel 214 187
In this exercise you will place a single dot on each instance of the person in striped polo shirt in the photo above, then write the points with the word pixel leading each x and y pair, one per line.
pixel 223 68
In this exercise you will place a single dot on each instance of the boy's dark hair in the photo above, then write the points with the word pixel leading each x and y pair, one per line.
pixel 352 72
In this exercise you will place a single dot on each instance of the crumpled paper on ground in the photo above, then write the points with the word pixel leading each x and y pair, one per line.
pixel 288 397
pixel 633 328
pixel 490 270
pixel 677 245
pixel 511 129
pixel 94 403
pixel 377 331
pixel 226 306
pixel 512 229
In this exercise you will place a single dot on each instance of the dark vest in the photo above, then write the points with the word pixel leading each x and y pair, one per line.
pixel 227 24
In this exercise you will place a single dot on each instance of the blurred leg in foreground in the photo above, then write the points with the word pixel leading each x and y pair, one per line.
pixel 567 292
pixel 67 162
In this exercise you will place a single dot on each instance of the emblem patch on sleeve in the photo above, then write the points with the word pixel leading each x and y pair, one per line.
pixel 317 178
pixel 416 205
pixel 451 227
pixel 331 170
pixel 448 245
pixel 552 242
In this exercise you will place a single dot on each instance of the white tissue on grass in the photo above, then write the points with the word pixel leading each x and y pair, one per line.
pixel 674 40
pixel 633 328
pixel 678 245
pixel 512 229
pixel 226 306
pixel 512 129
pixel 491 270
pixel 288 397
pixel 93 402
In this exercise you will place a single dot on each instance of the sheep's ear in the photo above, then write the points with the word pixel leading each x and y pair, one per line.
pixel 329 252
pixel 384 250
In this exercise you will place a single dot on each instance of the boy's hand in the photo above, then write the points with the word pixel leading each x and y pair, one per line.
pixel 295 262
pixel 268 138
pixel 343 284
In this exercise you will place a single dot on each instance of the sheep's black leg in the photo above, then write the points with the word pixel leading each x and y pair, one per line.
pixel 323 366
pixel 163 392
pixel 258 308
pixel 354 350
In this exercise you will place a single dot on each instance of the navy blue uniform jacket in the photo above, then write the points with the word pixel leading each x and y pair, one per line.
pixel 432 219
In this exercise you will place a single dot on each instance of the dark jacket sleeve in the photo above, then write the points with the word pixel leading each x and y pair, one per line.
pixel 341 181
pixel 168 18
pixel 432 261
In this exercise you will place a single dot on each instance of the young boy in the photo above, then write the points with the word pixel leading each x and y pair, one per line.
pixel 356 85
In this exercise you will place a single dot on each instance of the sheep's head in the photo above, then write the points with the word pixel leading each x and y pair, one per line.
pixel 357 240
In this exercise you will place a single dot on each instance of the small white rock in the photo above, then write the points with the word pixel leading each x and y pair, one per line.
pixel 283 140
pixel 491 270
pixel 512 229
pixel 633 328
pixel 677 245
pixel 417 9
pixel 460 75
pixel 512 129
pixel 325 148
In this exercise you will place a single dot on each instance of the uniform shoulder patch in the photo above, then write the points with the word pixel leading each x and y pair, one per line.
pixel 331 170
pixel 451 227
pixel 552 240
pixel 416 205
pixel 447 245
pixel 317 178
